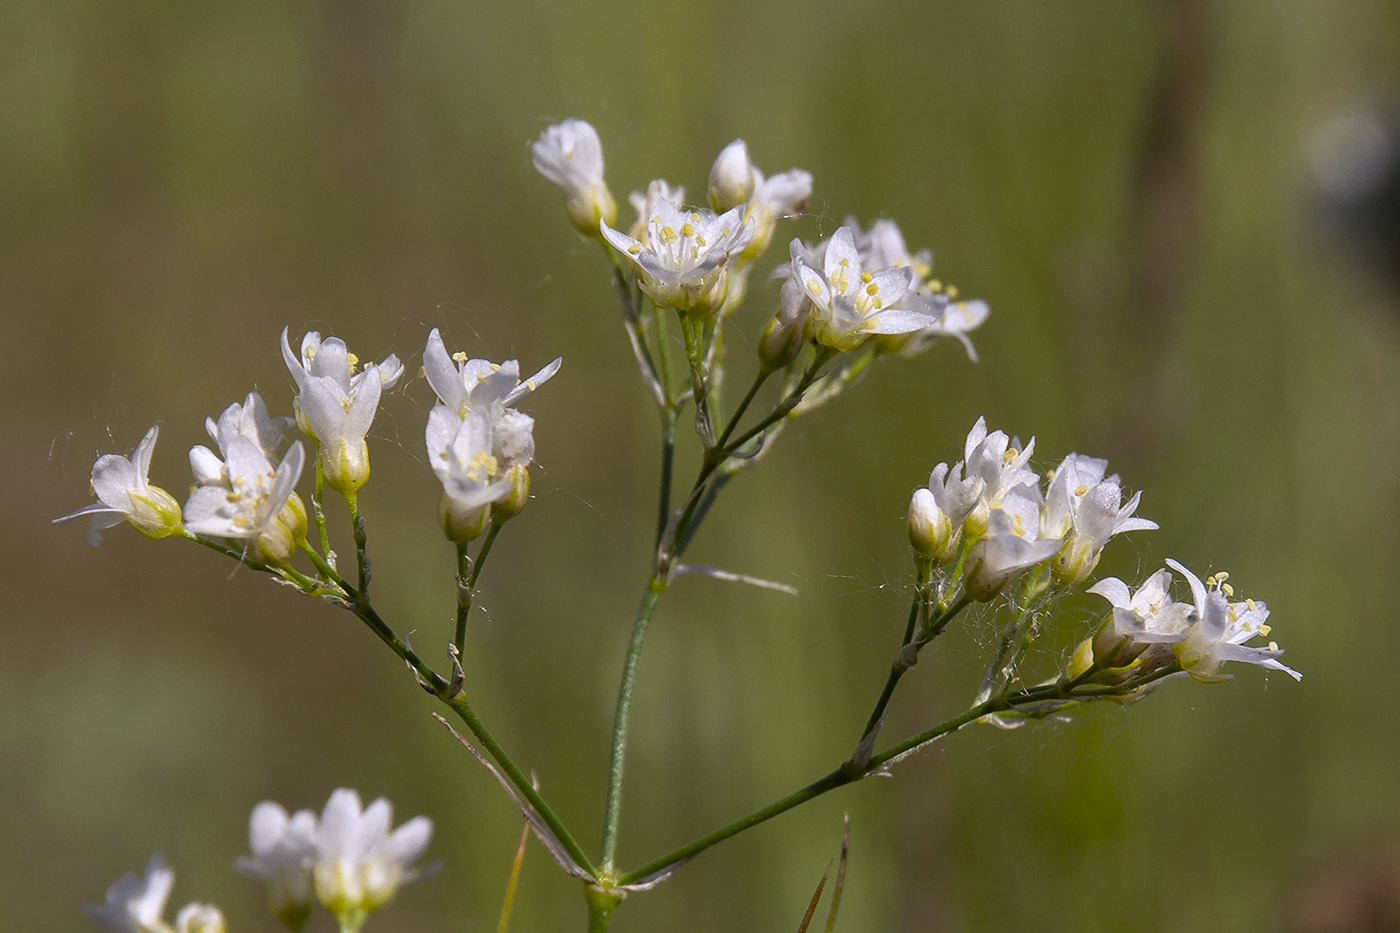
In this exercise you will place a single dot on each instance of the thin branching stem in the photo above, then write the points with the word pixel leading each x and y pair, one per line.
pixel 848 773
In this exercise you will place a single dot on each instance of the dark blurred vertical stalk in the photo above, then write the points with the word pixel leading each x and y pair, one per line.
pixel 1164 223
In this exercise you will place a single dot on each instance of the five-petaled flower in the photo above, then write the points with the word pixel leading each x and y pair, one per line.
pixel 850 303
pixel 683 257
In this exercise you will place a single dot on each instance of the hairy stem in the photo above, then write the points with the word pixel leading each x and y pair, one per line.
pixel 468 571
pixel 622 720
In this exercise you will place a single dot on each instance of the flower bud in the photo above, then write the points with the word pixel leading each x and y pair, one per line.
pixel 731 177
pixel 930 532
pixel 199 918
pixel 570 155
pixel 1076 560
pixel 514 501
pixel 155 513
pixel 283 534
pixel 346 465
pixel 461 525
pixel 785 336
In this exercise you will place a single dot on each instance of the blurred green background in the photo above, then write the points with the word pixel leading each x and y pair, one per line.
pixel 1125 183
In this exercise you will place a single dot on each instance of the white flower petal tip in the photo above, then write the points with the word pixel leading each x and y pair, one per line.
pixel 135 905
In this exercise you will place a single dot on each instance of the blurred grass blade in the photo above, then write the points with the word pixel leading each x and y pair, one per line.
pixel 816 899
pixel 840 875
pixel 504 922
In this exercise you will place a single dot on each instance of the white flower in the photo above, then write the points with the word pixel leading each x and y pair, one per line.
pixel 199 918
pixel 883 245
pixel 683 257
pixel 461 453
pixel 336 406
pixel 464 385
pixel 124 494
pixel 479 447
pixel 849 302
pixel 359 863
pixel 249 420
pixel 995 460
pixel 134 906
pixel 257 502
pixel 1009 544
pixel 571 155
pixel 1140 629
pixel 1089 508
pixel 284 850
pixel 1221 628
pixel 645 204
pixel 731 177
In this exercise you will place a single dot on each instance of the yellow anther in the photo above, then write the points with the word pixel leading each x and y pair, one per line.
pixel 845 262
pixel 1273 646
pixel 1011 454
pixel 962 306
pixel 687 230
pixel 952 291
pixel 695 218
pixel 814 288
pixel 1250 604
pixel 1227 589
pixel 700 240
pixel 866 277
pixel 353 360
pixel 695 252
pixel 1081 490
pixel 635 248
pixel 1233 615
pixel 877 302
pixel 667 234
pixel 1221 577
pixel 1265 629
pixel 309 352
pixel 935 285
pixel 460 356
pixel 872 288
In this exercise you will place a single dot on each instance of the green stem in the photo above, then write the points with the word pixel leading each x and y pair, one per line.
pixel 622 720
pixel 318 510
pixel 786 406
pixel 849 774
pixel 902 663
pixel 758 382
pixel 289 573
pixel 716 456
pixel 601 904
pixel 464 595
pixel 668 460
pixel 361 543
pixel 468 572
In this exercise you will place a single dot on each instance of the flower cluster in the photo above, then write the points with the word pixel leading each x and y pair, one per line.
pixel 135 905
pixel 989 516
pixel 990 509
pixel 349 857
pixel 478 445
pixel 1147 630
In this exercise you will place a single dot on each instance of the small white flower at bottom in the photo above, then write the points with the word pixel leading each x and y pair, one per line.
pixel 359 863
pixel 284 849
pixel 136 906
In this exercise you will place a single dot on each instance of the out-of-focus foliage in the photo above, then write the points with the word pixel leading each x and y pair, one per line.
pixel 1124 182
